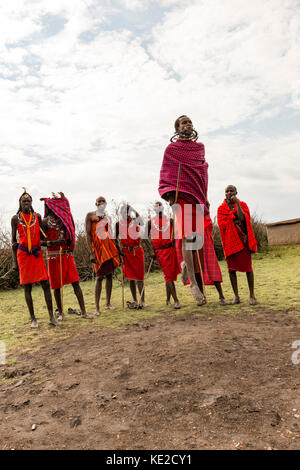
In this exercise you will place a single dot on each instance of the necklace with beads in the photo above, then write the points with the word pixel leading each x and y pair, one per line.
pixel 161 229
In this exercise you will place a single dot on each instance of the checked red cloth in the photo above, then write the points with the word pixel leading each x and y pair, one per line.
pixel 230 237
pixel 193 176
pixel 61 208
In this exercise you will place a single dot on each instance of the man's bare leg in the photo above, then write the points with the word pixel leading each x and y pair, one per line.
pixel 220 292
pixel 48 298
pixel 168 292
pixel 108 288
pixel 79 295
pixel 174 294
pixel 250 279
pixel 142 293
pixel 132 286
pixel 234 285
pixel 189 262
pixel 29 302
pixel 98 289
pixel 57 297
pixel 200 285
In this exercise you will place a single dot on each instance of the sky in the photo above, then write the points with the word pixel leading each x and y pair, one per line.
pixel 90 90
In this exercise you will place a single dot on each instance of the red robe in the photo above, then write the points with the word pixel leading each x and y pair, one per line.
pixel 63 274
pixel 32 267
pixel 165 256
pixel 238 240
pixel 134 263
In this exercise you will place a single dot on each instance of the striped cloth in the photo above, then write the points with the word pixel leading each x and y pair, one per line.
pixel 230 237
pixel 193 177
pixel 61 208
pixel 103 248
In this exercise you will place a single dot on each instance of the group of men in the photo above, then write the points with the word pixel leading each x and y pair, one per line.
pixel 181 244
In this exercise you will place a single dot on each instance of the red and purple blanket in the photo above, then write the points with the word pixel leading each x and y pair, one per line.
pixel 61 208
pixel 193 176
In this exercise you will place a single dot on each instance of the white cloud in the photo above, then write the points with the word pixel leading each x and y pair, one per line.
pixel 92 117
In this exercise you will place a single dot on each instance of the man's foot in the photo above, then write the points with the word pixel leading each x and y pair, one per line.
pixel 144 305
pixel 236 300
pixel 85 315
pixel 184 273
pixel 53 322
pixel 97 313
pixel 197 294
pixel 168 302
pixel 177 305
pixel 202 302
pixel 253 301
pixel 60 317
pixel 222 301
pixel 34 324
pixel 109 307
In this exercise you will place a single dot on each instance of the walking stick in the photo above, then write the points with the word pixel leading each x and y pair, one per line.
pixel 176 195
pixel 201 272
pixel 143 290
pixel 123 292
pixel 61 282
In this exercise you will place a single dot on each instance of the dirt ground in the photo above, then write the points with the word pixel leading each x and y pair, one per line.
pixel 187 382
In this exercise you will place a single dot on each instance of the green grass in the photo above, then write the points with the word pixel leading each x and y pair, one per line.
pixel 276 286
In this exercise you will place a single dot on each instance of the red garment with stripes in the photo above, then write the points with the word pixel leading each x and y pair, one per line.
pixel 103 244
pixel 230 235
pixel 62 270
pixel 31 269
pixel 209 262
pixel 165 256
pixel 134 262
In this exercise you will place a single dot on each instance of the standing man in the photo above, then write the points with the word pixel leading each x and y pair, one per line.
pixel 132 251
pixel 161 231
pixel 27 255
pixel 238 240
pixel 59 227
pixel 183 180
pixel 103 251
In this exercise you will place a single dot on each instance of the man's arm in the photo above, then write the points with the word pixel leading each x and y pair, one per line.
pixel 14 243
pixel 88 229
pixel 240 213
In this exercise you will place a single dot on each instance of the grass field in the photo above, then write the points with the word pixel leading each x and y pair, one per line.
pixel 276 285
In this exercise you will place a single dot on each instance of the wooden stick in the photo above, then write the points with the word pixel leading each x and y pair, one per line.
pixel 61 282
pixel 176 197
pixel 123 290
pixel 150 264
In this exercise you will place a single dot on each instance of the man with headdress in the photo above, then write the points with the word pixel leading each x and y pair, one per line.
pixel 27 255
pixel 103 251
pixel 183 183
pixel 59 227
pixel 161 233
pixel 128 232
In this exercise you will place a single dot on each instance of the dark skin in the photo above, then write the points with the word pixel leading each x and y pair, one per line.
pixel 90 218
pixel 76 286
pixel 128 212
pixel 26 207
pixel 170 286
pixel 231 199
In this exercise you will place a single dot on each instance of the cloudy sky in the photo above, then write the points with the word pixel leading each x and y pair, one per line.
pixel 90 90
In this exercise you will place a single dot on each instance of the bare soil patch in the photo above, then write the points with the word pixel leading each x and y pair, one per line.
pixel 187 382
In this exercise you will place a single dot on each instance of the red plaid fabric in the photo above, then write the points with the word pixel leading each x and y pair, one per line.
pixel 231 240
pixel 211 272
pixel 61 208
pixel 193 177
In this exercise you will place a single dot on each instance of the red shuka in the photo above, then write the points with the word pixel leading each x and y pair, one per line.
pixel 32 269
pixel 231 240
pixel 104 247
pixel 165 256
pixel 67 272
pixel 134 263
